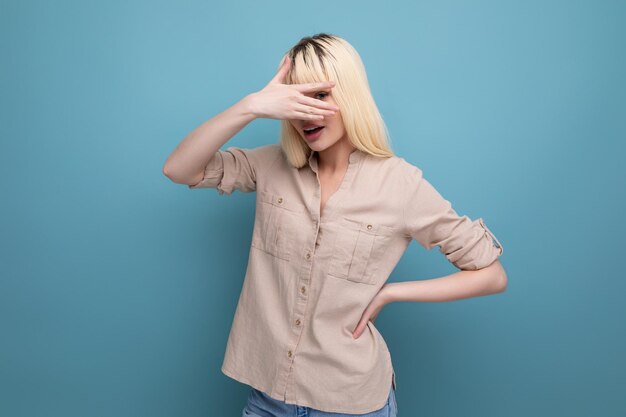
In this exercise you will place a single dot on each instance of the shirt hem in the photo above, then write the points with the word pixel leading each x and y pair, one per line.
pixel 246 381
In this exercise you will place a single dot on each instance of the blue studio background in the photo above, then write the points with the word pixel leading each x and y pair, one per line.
pixel 118 287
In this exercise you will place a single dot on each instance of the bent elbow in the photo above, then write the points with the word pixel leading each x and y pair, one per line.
pixel 497 278
pixel 501 283
pixel 177 179
pixel 166 171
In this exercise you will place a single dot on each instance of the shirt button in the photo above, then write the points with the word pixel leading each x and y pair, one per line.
pixel 308 255
pixel 303 289
pixel 280 200
pixel 289 354
pixel 297 322
pixel 369 227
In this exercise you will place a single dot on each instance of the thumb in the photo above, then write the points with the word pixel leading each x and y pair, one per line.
pixel 285 64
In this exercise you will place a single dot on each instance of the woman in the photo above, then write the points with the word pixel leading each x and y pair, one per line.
pixel 335 211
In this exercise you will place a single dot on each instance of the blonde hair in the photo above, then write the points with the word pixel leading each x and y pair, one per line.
pixel 325 57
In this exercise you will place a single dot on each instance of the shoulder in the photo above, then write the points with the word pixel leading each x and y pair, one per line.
pixel 260 156
pixel 269 151
pixel 395 168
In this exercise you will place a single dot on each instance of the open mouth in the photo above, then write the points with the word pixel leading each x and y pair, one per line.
pixel 313 130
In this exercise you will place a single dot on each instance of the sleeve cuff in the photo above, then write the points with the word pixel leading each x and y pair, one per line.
pixel 213 172
pixel 479 248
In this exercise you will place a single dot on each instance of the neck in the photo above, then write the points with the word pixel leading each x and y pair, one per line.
pixel 335 157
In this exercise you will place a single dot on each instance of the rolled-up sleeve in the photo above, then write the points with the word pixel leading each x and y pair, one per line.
pixel 236 168
pixel 431 220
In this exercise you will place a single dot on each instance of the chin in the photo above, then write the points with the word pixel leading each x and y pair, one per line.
pixel 320 145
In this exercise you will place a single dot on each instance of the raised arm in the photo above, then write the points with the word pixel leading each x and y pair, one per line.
pixel 189 161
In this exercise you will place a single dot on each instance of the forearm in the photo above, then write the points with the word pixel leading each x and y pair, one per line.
pixel 459 285
pixel 187 162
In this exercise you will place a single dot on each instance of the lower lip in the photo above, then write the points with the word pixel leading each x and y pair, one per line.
pixel 314 135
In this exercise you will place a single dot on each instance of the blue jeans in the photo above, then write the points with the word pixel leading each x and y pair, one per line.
pixel 262 405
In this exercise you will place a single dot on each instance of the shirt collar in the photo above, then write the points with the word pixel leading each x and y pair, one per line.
pixel 354 157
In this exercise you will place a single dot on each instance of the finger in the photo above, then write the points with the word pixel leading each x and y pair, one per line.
pixel 317 103
pixel 359 329
pixel 307 87
pixel 314 110
pixel 282 70
pixel 307 116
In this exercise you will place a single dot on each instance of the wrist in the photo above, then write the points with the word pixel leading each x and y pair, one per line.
pixel 248 106
pixel 388 294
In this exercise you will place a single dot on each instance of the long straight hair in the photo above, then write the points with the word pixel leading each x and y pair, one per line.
pixel 326 57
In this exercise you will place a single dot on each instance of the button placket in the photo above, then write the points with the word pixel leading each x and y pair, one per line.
pixel 300 307
pixel 304 265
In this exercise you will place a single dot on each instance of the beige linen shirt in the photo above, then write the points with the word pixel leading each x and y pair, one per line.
pixel 310 277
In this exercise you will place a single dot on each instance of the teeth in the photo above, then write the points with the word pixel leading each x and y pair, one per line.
pixel 313 128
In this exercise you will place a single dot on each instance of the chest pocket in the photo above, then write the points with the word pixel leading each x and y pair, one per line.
pixel 358 250
pixel 275 224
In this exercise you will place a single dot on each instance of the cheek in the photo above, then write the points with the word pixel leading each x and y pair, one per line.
pixel 335 118
pixel 335 123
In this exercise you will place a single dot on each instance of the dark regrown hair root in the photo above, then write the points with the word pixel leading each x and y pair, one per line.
pixel 317 42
